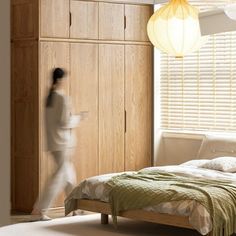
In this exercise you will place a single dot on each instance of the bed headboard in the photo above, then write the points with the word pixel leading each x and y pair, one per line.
pixel 216 146
pixel 176 148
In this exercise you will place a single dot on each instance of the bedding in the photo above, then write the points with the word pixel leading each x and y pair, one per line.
pixel 96 188
pixel 196 163
pixel 135 191
pixel 226 164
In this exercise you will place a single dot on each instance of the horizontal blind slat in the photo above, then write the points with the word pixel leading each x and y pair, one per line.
pixel 199 91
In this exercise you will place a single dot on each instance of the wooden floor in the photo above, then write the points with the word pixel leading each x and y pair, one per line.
pixel 19 217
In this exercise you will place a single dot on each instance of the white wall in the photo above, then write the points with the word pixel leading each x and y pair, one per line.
pixel 4 111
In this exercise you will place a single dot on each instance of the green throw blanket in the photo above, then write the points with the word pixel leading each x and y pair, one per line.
pixel 149 188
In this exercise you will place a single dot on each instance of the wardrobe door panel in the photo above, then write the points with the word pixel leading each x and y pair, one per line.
pixel 84 94
pixel 111 21
pixel 84 20
pixel 111 108
pixel 55 18
pixel 24 125
pixel 52 55
pixel 137 17
pixel 138 105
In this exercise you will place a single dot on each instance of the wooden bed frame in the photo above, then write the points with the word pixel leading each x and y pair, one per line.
pixel 105 210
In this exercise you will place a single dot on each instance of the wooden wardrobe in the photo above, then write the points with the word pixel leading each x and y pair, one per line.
pixel 109 59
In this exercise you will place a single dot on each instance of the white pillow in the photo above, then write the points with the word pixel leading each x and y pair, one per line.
pixel 226 164
pixel 196 163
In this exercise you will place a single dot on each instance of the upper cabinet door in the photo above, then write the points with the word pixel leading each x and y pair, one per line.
pixel 55 18
pixel 136 22
pixel 84 20
pixel 24 19
pixel 111 21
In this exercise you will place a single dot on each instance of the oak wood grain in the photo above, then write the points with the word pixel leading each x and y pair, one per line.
pixel 111 21
pixel 111 108
pixel 54 18
pixel 84 94
pixel 84 19
pixel 24 124
pixel 24 19
pixel 138 105
pixel 137 17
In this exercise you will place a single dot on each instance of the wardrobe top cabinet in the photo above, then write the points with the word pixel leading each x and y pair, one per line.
pixel 78 19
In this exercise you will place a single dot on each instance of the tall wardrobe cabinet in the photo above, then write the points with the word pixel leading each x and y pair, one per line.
pixel 105 50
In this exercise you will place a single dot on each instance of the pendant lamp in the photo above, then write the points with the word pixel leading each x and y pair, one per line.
pixel 174 29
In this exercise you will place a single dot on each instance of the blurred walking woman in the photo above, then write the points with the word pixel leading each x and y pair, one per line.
pixel 60 142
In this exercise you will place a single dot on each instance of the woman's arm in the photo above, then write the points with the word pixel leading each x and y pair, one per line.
pixel 67 121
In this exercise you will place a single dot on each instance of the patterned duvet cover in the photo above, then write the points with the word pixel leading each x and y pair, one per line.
pixel 95 188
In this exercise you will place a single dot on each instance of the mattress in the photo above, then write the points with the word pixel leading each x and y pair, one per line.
pixel 95 188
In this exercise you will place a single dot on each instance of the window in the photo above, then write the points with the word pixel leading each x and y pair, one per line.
pixel 198 92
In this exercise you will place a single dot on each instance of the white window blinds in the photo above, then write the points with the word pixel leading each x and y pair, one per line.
pixel 198 92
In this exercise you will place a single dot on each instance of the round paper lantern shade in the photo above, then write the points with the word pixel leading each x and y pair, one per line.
pixel 175 29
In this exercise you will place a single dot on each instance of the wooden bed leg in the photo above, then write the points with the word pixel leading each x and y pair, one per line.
pixel 104 219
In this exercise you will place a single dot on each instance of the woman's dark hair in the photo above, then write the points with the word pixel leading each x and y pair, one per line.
pixel 57 75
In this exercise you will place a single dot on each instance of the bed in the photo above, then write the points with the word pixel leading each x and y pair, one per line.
pixel 94 194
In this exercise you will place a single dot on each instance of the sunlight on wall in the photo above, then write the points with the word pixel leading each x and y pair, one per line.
pixel 157 111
